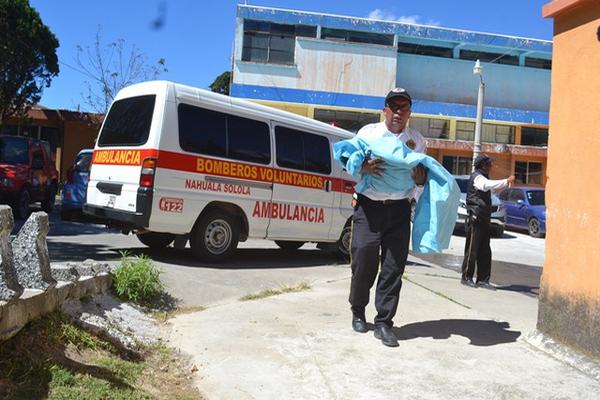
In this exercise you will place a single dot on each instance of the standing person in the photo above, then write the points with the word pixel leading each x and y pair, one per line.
pixel 479 207
pixel 381 223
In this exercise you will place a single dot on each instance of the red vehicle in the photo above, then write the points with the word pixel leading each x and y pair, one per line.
pixel 27 174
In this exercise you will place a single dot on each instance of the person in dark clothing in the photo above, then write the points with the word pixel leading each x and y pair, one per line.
pixel 381 225
pixel 479 207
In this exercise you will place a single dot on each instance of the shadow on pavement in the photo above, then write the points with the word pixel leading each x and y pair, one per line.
pixel 63 252
pixel 479 332
pixel 524 289
pixel 58 227
pixel 515 277
pixel 244 258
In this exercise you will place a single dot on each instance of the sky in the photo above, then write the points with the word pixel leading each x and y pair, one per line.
pixel 195 37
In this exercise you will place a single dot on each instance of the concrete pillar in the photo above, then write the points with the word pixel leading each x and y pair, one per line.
pixel 9 284
pixel 30 250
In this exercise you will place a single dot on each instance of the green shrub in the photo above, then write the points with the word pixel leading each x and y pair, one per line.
pixel 137 279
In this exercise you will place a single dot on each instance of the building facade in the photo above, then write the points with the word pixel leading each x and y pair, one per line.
pixel 338 70
pixel 569 303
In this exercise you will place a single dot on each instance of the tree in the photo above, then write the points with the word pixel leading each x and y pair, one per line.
pixel 28 60
pixel 221 83
pixel 112 67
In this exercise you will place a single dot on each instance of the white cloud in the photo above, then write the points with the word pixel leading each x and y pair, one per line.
pixel 407 19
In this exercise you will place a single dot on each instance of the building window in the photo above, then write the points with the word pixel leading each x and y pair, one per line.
pixel 268 42
pixel 531 136
pixel 482 56
pixel 528 173
pixel 538 63
pixel 422 50
pixel 430 127
pixel 491 133
pixel 457 165
pixel 465 130
pixel 350 120
pixel 357 36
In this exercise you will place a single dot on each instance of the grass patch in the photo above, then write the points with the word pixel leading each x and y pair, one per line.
pixel 51 358
pixel 165 315
pixel 137 279
pixel 301 287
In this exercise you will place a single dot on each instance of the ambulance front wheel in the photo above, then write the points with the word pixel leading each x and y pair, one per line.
pixel 344 242
pixel 156 240
pixel 215 236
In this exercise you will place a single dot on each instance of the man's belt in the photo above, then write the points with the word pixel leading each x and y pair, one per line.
pixel 383 202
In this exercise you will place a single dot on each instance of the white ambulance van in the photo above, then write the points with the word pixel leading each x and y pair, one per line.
pixel 173 161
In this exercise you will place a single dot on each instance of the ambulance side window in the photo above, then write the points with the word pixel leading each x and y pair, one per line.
pixel 248 140
pixel 218 134
pixel 302 150
pixel 202 131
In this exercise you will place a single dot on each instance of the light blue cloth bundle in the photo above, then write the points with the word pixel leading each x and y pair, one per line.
pixel 435 215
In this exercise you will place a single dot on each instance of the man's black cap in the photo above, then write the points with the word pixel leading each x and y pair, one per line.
pixel 482 159
pixel 398 93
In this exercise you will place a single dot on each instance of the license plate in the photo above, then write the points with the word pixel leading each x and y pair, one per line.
pixel 111 201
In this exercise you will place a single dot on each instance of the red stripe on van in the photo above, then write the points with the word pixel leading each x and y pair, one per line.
pixel 233 169
pixel 217 167
pixel 122 156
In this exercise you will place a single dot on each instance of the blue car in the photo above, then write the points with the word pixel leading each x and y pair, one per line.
pixel 74 189
pixel 525 208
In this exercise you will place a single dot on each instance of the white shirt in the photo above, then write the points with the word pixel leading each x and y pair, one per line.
pixel 484 184
pixel 380 130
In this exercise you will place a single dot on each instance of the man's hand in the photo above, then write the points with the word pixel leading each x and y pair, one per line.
pixel 511 180
pixel 372 166
pixel 419 174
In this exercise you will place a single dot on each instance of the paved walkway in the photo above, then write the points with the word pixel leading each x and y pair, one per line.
pixel 456 343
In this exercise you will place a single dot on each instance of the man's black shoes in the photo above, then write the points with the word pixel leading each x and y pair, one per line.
pixel 386 335
pixel 359 324
pixel 468 282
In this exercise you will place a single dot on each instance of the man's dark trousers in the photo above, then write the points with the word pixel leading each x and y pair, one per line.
pixel 477 250
pixel 379 225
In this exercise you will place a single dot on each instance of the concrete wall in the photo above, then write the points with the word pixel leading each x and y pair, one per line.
pixel 452 81
pixel 569 307
pixel 29 285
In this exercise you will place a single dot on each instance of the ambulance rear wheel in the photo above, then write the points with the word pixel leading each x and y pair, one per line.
pixel 156 240
pixel 215 236
pixel 288 245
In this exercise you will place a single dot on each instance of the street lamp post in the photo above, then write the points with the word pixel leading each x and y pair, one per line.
pixel 478 70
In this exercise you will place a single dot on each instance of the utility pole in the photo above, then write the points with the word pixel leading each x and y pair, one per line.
pixel 478 70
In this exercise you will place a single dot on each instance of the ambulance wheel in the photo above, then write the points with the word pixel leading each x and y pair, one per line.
pixel 156 240
pixel 215 236
pixel 344 242
pixel 288 245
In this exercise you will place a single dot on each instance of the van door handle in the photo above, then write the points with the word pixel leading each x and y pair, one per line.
pixel 327 185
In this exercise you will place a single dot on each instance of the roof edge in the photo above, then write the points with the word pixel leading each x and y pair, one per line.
pixel 557 7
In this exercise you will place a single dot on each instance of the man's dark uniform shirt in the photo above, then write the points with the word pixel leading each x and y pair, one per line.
pixel 479 203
